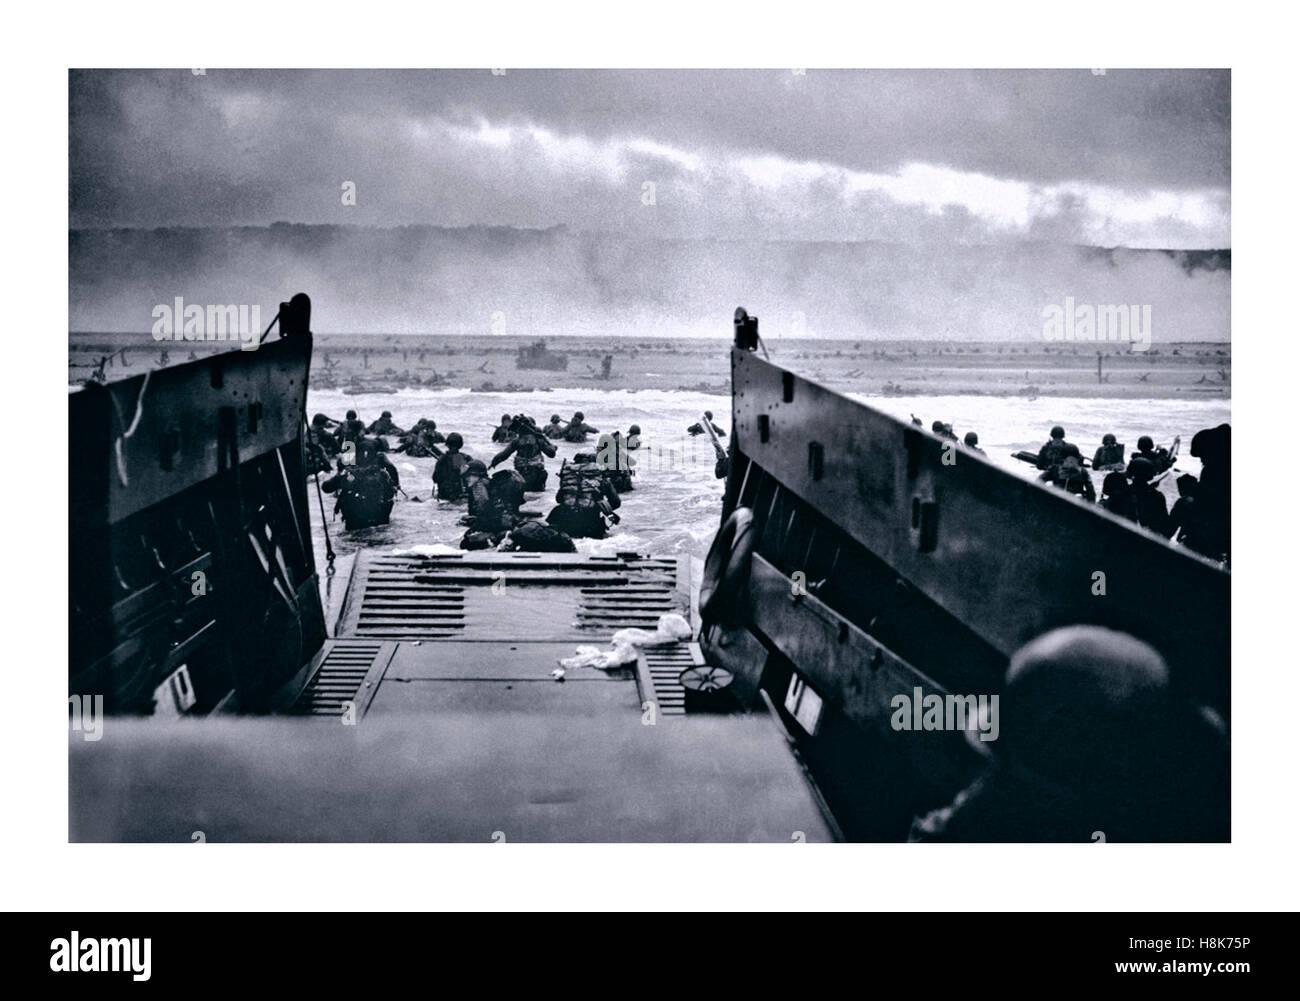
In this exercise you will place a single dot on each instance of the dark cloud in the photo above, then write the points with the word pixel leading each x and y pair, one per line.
pixel 537 148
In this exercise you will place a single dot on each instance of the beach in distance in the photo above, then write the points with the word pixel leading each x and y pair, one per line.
pixel 378 363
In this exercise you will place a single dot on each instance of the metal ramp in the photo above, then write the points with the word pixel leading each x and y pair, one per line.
pixel 510 597
pixel 485 632
pixel 437 714
pixel 347 674
pixel 659 669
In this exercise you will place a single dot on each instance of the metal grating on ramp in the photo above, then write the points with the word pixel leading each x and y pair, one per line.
pixel 516 597
pixel 396 605
pixel 340 678
pixel 663 666
pixel 626 605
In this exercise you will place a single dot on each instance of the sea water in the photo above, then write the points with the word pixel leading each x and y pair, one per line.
pixel 676 504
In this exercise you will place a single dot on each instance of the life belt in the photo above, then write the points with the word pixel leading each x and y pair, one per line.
pixel 726 568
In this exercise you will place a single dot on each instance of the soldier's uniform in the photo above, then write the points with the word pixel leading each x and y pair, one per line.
pixel 493 505
pixel 612 455
pixel 448 473
pixel 504 431
pixel 315 459
pixel 585 501
pixel 529 447
pixel 319 434
pixel 1109 456
pixel 578 429
pixel 534 537
pixel 366 490
pixel 419 444
pixel 384 425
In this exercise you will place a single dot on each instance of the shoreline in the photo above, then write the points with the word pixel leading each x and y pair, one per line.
pixel 381 364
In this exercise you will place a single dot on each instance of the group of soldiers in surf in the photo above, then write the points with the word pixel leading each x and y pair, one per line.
pixel 586 498
pixel 944 430
pixel 1201 517
pixel 588 493
pixel 366 482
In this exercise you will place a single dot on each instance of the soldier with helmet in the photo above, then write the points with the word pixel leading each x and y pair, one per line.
pixel 578 429
pixel 502 432
pixel 1050 455
pixel 1091 737
pixel 530 448
pixel 450 469
pixel 586 500
pixel 1110 456
pixel 385 425
pixel 365 487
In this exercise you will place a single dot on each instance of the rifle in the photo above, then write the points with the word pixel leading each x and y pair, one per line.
pixel 713 435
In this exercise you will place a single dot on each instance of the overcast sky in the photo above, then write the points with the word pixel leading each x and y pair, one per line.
pixel 1128 158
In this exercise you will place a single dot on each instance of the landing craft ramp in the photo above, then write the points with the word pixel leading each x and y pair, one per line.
pixel 433 715
pixel 467 629
pixel 509 596
pixel 428 712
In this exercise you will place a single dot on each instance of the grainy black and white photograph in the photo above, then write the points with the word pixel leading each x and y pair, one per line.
pixel 742 455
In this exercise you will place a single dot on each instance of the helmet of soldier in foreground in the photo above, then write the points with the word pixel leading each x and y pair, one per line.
pixel 319 420
pixel 1145 444
pixel 1213 444
pixel 1085 707
pixel 386 413
pixel 351 415
pixel 474 467
pixel 578 415
pixel 454 440
pixel 366 452
pixel 1108 439
pixel 1058 432
pixel 1141 470
pixel 1114 483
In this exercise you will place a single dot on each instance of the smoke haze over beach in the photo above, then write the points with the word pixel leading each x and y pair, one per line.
pixel 952 205
pixel 529 282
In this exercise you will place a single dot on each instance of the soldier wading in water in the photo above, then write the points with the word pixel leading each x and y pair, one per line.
pixel 366 487
pixel 586 499
pixel 530 448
